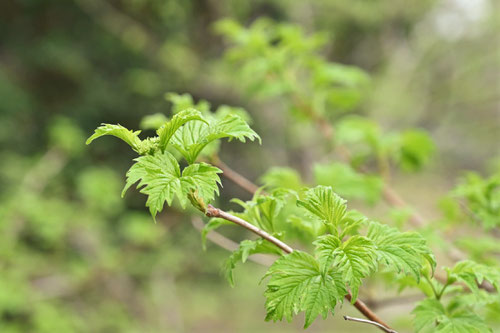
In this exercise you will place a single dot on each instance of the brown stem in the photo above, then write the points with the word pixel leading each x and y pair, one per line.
pixel 366 311
pixel 359 320
pixel 216 212
pixel 235 177
pixel 360 305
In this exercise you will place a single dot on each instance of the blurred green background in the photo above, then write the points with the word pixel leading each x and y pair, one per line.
pixel 75 257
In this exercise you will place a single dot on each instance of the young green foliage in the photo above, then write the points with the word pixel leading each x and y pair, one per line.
pixel 298 282
pixel 348 182
pixel 189 131
pixel 351 255
pixel 161 179
pixel 354 258
pixel 130 137
pixel 247 247
pixel 482 198
pixel 432 316
pixel 472 273
pixel 191 139
pixel 264 210
pixel 400 251
pixel 326 205
pixel 277 59
pixel 410 149
pixel 166 131
pixel 282 177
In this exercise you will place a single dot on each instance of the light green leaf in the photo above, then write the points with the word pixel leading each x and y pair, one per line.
pixel 431 316
pixel 282 177
pixel 247 248
pixel 181 102
pixel 463 322
pixel 482 197
pixel 204 178
pixel 427 313
pixel 231 126
pixel 354 258
pixel 213 224
pixel 322 202
pixel 130 137
pixel 298 284
pixel 472 273
pixel 348 182
pixel 153 121
pixel 161 180
pixel 262 210
pixel 166 131
pixel 401 251
pixel 416 149
pixel 356 129
pixel 192 138
pixel 159 177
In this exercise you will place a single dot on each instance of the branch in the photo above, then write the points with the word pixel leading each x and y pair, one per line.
pixel 359 320
pixel 235 177
pixel 216 212
pixel 227 244
pixel 360 305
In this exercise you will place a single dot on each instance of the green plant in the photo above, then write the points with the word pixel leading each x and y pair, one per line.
pixel 347 246
pixel 341 247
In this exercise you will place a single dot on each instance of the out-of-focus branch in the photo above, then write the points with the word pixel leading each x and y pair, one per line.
pixel 235 177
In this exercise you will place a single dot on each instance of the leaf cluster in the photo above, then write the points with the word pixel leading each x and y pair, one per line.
pixel 188 133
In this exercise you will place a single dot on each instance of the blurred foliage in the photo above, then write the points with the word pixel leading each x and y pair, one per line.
pixel 74 257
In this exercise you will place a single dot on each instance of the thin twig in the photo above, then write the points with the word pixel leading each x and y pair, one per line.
pixel 235 177
pixel 358 304
pixel 359 320
pixel 227 244
pixel 216 212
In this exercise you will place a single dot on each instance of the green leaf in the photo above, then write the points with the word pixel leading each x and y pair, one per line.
pixel 192 138
pixel 204 178
pixel 354 258
pixel 262 210
pixel 213 224
pixel 247 248
pixel 401 251
pixel 181 102
pixel 281 177
pixel 431 316
pixel 161 180
pixel 356 129
pixel 298 284
pixel 232 126
pixel 130 137
pixel 166 131
pixel 427 313
pixel 159 177
pixel 472 273
pixel 153 121
pixel 416 149
pixel 322 202
pixel 348 182
pixel 482 196
pixel 463 321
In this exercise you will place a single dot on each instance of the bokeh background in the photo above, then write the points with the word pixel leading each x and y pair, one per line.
pixel 75 257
